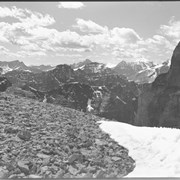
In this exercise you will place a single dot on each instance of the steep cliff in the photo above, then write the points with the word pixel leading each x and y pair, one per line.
pixel 160 104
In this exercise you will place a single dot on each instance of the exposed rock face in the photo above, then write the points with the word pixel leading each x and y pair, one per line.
pixel 73 94
pixel 174 72
pixel 160 104
pixel 4 84
pixel 121 104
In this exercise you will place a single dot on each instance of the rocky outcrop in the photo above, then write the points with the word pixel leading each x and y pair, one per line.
pixel 74 95
pixel 160 104
pixel 121 103
pixel 4 84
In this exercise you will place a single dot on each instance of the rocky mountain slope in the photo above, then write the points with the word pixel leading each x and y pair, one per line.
pixel 119 94
pixel 45 80
pixel 41 140
pixel 159 105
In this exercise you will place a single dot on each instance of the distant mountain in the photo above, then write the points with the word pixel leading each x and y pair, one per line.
pixel 141 72
pixel 90 68
pixel 149 74
pixel 12 65
pixel 42 67
pixel 45 80
pixel 81 64
pixel 7 66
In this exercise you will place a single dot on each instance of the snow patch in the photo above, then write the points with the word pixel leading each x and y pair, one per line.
pixel 155 150
pixel 82 67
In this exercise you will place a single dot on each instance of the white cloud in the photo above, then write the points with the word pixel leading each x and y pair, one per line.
pixel 71 40
pixel 30 53
pixel 71 5
pixel 28 32
pixel 126 54
pixel 124 36
pixel 158 44
pixel 89 26
pixel 172 29
pixel 33 36
pixel 3 49
pixel 37 19
pixel 69 55
pixel 13 12
pixel 27 17
pixel 32 47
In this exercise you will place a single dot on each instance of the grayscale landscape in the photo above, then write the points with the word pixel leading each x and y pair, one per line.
pixel 89 89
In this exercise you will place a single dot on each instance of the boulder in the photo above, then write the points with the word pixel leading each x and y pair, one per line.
pixel 24 135
pixel 22 165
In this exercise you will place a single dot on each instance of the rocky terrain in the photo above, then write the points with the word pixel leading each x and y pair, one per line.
pixel 159 104
pixel 41 140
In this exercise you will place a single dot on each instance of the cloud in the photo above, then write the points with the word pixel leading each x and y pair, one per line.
pixel 104 36
pixel 69 55
pixel 172 29
pixel 157 43
pixel 13 12
pixel 71 5
pixel 70 40
pixel 29 31
pixel 124 36
pixel 3 50
pixel 89 26
pixel 126 54
pixel 30 53
pixel 33 35
pixel 27 17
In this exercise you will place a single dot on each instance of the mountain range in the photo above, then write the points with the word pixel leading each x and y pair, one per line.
pixel 139 72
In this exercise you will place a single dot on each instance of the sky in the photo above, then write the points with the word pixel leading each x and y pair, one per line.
pixel 155 150
pixel 107 32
